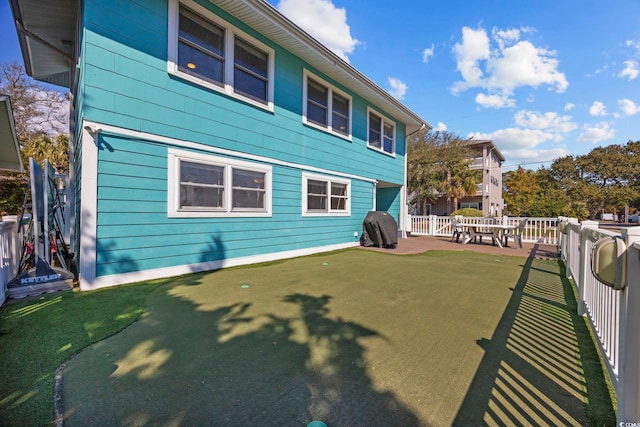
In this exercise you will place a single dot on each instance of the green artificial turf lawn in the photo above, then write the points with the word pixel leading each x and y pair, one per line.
pixel 38 334
pixel 350 337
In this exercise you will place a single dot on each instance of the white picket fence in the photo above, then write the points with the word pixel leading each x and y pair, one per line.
pixel 614 315
pixel 538 230
pixel 10 249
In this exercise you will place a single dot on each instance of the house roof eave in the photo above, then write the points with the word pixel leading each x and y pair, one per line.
pixel 10 158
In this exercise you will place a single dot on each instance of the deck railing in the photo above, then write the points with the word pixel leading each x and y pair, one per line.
pixel 538 230
pixel 10 250
pixel 614 314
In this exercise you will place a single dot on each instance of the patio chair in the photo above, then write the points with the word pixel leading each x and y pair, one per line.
pixel 515 234
pixel 458 230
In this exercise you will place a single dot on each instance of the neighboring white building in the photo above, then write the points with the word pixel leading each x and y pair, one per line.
pixel 488 198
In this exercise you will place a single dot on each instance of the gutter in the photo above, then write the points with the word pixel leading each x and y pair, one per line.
pixel 28 34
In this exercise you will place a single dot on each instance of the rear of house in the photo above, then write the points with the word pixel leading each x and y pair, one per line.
pixel 213 133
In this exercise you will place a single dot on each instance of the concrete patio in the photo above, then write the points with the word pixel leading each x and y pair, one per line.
pixel 420 244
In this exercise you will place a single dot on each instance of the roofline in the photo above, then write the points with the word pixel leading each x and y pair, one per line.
pixel 320 56
pixel 22 38
pixel 489 142
pixel 294 30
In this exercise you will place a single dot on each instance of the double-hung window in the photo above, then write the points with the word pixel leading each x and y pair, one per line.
pixel 251 71
pixel 326 107
pixel 202 185
pixel 381 133
pixel 200 47
pixel 325 196
pixel 205 49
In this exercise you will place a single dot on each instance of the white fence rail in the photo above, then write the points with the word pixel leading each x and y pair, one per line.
pixel 614 315
pixel 10 249
pixel 538 230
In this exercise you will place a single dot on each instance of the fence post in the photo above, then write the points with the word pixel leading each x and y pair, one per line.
pixel 433 219
pixel 568 250
pixel 585 268
pixel 628 393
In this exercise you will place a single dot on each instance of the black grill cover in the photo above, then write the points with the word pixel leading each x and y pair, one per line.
pixel 379 229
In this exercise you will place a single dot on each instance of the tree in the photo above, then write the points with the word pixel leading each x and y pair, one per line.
pixel 521 191
pixel 438 164
pixel 41 118
pixel 604 179
pixel 36 109
pixel 41 147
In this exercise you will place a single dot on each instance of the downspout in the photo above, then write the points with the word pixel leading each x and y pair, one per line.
pixel 403 193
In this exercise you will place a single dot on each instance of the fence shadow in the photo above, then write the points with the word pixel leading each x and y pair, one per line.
pixel 528 374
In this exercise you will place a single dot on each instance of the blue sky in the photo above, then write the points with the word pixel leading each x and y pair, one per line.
pixel 542 79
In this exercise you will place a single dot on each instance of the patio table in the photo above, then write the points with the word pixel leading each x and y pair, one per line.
pixel 497 230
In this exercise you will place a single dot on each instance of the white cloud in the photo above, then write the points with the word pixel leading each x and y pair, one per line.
pixel 549 121
pixel 324 21
pixel 523 64
pixel 596 133
pixel 634 44
pixel 628 107
pixel 440 127
pixel 398 88
pixel 505 37
pixel 473 49
pixel 511 64
pixel 535 157
pixel 427 53
pixel 631 70
pixel 517 138
pixel 500 100
pixel 523 145
pixel 569 106
pixel 598 109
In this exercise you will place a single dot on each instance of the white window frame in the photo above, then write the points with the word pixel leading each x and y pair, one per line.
pixel 471 205
pixel 383 120
pixel 329 180
pixel 173 185
pixel 306 75
pixel 230 34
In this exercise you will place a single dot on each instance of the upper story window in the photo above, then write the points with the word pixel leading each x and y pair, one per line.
pixel 202 185
pixel 200 47
pixel 209 51
pixel 381 133
pixel 326 107
pixel 251 71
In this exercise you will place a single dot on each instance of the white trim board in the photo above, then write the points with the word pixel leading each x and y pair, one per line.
pixel 159 139
pixel 88 224
pixel 160 273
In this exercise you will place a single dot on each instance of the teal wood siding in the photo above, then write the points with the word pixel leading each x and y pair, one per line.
pixel 388 199
pixel 134 232
pixel 126 84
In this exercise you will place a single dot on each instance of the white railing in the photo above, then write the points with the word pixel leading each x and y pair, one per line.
pixel 10 250
pixel 614 315
pixel 538 230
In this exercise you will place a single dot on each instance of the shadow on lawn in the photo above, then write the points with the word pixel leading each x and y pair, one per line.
pixel 232 365
pixel 527 375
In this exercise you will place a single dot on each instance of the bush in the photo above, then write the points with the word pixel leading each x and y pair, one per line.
pixel 12 192
pixel 467 212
